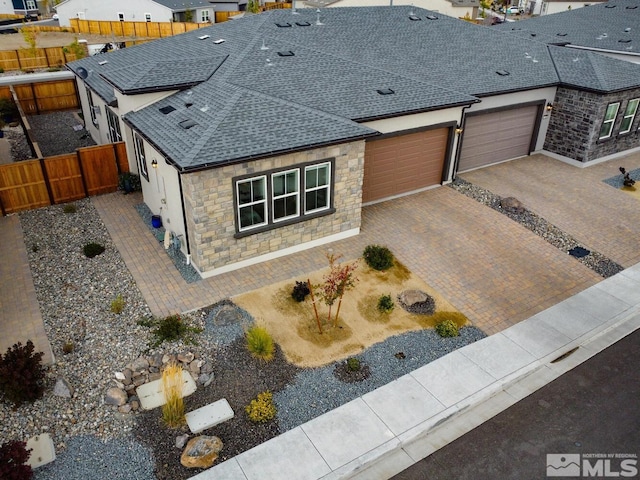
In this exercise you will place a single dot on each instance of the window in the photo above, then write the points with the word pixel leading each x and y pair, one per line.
pixel 138 144
pixel 121 16
pixel 286 195
pixel 316 188
pixel 31 5
pixel 609 119
pixel 114 126
pixel 147 17
pixel 81 15
pixel 205 16
pixel 92 108
pixel 252 202
pixel 282 197
pixel 629 115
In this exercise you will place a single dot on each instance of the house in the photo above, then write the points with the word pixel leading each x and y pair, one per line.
pixel 452 8
pixel 547 7
pixel 6 7
pixel 28 8
pixel 201 11
pixel 263 136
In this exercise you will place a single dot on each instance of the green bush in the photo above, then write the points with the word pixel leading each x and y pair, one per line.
pixel 93 249
pixel 21 374
pixel 385 304
pixel 353 364
pixel 261 409
pixel 447 328
pixel 171 328
pixel 378 257
pixel 129 182
pixel 260 343
pixel 300 291
pixel 68 348
pixel 13 461
pixel 117 305
pixel 70 208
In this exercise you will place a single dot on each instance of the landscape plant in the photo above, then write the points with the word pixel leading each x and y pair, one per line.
pixel 340 279
pixel 385 304
pixel 117 305
pixel 353 364
pixel 171 328
pixel 75 49
pixel 93 249
pixel 22 374
pixel 261 409
pixel 173 409
pixel 378 257
pixel 70 208
pixel 30 36
pixel 259 343
pixel 300 291
pixel 447 328
pixel 13 461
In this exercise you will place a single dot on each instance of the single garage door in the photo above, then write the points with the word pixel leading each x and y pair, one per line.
pixel 403 163
pixel 497 136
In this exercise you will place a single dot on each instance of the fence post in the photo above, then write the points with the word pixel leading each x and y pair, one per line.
pixel 43 168
pixel 84 181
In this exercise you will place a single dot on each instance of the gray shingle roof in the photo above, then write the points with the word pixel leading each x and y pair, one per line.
pixel 181 5
pixel 255 107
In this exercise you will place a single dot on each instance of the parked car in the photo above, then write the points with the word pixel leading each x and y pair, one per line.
pixel 514 10
pixel 55 17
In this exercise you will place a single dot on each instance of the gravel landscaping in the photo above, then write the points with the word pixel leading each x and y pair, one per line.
pixel 93 438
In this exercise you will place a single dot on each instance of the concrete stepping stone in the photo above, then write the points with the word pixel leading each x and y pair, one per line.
pixel 42 450
pixel 209 415
pixel 151 394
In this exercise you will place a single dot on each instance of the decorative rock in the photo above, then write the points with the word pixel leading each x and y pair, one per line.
pixel 140 364
pixel 512 204
pixel 135 404
pixel 115 396
pixel 154 376
pixel 120 385
pixel 137 381
pixel 63 388
pixel 130 387
pixel 194 367
pixel 411 297
pixel 155 360
pixel 201 452
pixel 205 379
pixel 418 302
pixel 126 408
pixel 186 357
pixel 206 367
pixel 181 440
pixel 168 359
pixel 127 376
pixel 120 376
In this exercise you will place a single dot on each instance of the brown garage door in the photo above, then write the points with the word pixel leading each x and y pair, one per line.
pixel 497 136
pixel 403 163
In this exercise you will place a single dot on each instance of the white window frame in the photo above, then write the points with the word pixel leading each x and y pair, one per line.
pixel 609 122
pixel 31 5
pixel 147 17
pixel 92 108
pixel 629 115
pixel 285 195
pixel 138 146
pixel 252 202
pixel 120 16
pixel 205 15
pixel 81 15
pixel 326 186
pixel 115 134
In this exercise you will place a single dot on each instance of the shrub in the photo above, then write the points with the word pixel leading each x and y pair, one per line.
pixel 93 249
pixel 300 291
pixel 447 328
pixel 68 348
pixel 35 248
pixel 70 208
pixel 117 305
pixel 378 257
pixel 385 304
pixel 172 328
pixel 13 458
pixel 129 182
pixel 173 409
pixel 353 364
pixel 260 343
pixel 261 409
pixel 21 374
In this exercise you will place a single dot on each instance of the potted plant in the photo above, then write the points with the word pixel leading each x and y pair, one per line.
pixel 129 182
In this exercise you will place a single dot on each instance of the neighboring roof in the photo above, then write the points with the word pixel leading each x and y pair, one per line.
pixel 181 5
pixel 249 101
pixel 613 26
pixel 591 71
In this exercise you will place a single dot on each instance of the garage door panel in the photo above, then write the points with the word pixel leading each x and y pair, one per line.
pixel 497 136
pixel 403 163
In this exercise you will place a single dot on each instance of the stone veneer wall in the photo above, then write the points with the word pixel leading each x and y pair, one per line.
pixel 210 211
pixel 575 124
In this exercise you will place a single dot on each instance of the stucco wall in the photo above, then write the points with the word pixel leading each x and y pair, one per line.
pixel 210 210
pixel 575 124
pixel 134 11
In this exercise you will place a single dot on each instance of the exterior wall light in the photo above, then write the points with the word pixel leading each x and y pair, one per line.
pixel 549 107
pixel 154 163
pixel 459 130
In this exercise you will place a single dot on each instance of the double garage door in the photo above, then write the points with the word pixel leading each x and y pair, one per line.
pixel 403 163
pixel 497 136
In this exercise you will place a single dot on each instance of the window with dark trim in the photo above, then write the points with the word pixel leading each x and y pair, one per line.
pixel 629 115
pixel 138 144
pixel 147 17
pixel 114 126
pixel 281 197
pixel 609 119
pixel 92 108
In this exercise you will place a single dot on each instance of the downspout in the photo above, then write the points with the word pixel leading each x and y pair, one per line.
pixel 184 220
pixel 463 121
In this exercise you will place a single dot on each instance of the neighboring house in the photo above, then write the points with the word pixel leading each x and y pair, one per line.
pixel 6 7
pixel 556 6
pixel 452 8
pixel 28 8
pixel 266 135
pixel 201 11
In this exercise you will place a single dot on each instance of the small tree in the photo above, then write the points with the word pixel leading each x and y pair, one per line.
pixel 253 6
pixel 30 36
pixel 75 49
pixel 340 279
pixel 188 15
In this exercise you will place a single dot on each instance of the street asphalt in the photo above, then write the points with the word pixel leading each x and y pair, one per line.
pixel 592 410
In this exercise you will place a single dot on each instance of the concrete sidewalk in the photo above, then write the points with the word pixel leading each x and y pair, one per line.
pixel 387 430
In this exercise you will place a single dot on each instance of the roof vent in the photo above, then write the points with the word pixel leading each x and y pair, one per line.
pixel 631 7
pixel 385 91
pixel 534 34
pixel 103 62
pixel 625 40
pixel 609 6
pixel 219 41
pixel 203 37
pixel 288 53
pixel 627 30
pixel 561 34
pixel 283 24
pixel 515 29
pixel 188 104
pixel 303 24
pixel 432 17
pixel 414 18
pixel 167 109
pixel 502 73
pixel 187 124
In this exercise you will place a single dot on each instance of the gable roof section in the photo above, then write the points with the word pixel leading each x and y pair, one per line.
pixel 181 5
pixel 591 71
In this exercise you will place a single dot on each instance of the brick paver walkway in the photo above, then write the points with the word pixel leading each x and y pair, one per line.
pixel 20 318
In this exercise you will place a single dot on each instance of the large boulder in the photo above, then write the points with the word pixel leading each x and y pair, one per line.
pixel 416 301
pixel 512 204
pixel 115 396
pixel 201 452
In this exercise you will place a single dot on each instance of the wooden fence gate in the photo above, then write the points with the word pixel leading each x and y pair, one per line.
pixel 63 178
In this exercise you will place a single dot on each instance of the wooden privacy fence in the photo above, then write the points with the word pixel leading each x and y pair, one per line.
pixel 63 178
pixel 26 59
pixel 43 97
pixel 134 29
